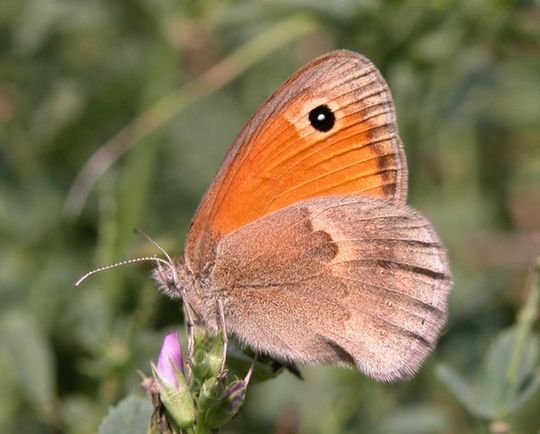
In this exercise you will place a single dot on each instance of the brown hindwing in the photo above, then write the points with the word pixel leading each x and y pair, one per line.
pixel 341 279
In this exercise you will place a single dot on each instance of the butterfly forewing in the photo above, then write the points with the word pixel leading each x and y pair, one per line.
pixel 280 157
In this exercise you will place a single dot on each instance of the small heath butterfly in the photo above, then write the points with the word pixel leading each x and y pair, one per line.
pixel 304 247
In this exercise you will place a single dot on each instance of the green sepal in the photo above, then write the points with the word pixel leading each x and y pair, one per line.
pixel 216 402
pixel 178 402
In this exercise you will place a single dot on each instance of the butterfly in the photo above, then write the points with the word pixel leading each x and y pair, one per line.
pixel 304 247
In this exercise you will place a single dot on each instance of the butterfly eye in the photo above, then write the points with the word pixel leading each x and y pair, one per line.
pixel 322 118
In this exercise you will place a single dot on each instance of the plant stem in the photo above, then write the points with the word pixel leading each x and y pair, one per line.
pixel 164 110
pixel 525 322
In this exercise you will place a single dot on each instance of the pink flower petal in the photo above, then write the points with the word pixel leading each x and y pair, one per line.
pixel 170 359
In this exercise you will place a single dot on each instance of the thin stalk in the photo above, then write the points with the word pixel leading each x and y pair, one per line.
pixel 525 321
pixel 277 36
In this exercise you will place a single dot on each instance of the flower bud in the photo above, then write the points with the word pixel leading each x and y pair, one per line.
pixel 217 406
pixel 208 355
pixel 170 359
pixel 173 389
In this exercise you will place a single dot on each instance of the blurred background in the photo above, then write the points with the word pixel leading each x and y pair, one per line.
pixel 159 89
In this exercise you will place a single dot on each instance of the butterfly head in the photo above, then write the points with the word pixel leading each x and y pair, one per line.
pixel 170 277
pixel 175 280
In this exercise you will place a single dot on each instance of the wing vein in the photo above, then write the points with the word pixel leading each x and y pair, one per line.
pixel 388 264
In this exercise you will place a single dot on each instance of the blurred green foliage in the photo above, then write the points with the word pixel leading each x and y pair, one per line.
pixel 465 76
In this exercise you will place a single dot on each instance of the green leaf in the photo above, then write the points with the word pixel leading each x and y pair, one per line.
pixel 130 416
pixel 463 391
pixel 499 391
pixel 29 355
pixel 494 395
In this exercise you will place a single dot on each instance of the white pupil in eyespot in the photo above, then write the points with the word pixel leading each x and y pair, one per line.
pixel 321 117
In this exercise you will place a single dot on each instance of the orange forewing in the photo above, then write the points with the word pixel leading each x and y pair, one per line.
pixel 279 158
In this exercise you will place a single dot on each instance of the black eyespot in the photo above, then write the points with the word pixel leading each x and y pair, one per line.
pixel 322 118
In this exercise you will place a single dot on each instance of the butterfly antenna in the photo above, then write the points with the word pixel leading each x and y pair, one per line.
pixel 118 264
pixel 155 243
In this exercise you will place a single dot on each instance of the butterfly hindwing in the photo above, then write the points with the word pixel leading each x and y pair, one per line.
pixel 347 280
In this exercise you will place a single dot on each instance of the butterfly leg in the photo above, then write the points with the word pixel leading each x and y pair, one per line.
pixel 222 372
pixel 247 378
pixel 191 338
